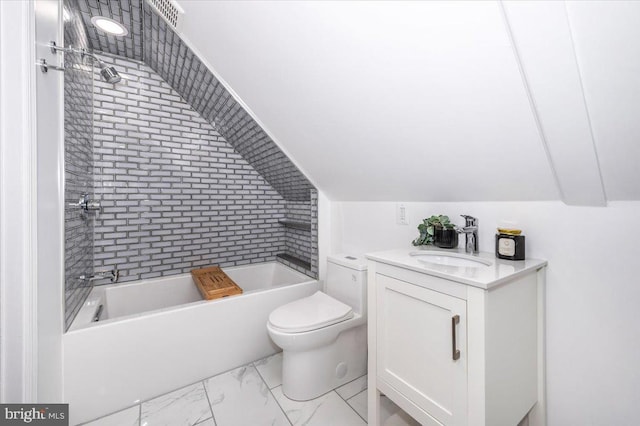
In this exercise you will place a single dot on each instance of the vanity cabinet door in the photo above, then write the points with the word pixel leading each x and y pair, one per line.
pixel 415 349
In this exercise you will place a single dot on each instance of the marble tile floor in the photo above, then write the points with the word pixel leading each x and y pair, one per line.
pixel 251 395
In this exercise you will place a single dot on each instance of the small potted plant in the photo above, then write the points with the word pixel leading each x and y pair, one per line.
pixel 437 230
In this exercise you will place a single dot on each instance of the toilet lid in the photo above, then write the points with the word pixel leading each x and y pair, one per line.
pixel 309 313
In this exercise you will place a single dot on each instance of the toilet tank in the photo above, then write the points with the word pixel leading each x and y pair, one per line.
pixel 347 280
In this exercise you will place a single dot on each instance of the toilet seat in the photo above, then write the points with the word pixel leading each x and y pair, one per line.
pixel 310 313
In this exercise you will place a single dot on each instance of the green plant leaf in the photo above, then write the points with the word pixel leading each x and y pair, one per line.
pixel 428 226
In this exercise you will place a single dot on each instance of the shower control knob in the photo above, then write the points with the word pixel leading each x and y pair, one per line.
pixel 93 205
pixel 87 204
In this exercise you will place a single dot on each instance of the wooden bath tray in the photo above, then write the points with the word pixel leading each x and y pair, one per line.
pixel 213 283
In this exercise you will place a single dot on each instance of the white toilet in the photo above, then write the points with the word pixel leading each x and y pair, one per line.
pixel 324 336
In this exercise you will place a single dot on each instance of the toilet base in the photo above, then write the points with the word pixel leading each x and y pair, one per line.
pixel 308 374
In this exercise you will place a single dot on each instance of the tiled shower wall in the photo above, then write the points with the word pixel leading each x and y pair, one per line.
pixel 78 133
pixel 314 233
pixel 175 194
pixel 301 249
pixel 166 53
pixel 298 239
pixel 151 39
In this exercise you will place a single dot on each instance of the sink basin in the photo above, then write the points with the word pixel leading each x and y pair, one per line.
pixel 450 259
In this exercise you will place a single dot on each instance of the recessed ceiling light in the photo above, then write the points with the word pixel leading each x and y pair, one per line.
pixel 109 25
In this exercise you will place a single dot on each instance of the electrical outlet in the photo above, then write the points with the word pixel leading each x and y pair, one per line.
pixel 401 214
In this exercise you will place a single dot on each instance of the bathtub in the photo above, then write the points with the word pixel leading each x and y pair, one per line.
pixel 157 335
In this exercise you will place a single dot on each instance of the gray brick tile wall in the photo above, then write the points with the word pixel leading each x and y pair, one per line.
pixel 298 242
pixel 302 243
pixel 314 233
pixel 128 12
pixel 175 194
pixel 152 40
pixel 168 55
pixel 78 132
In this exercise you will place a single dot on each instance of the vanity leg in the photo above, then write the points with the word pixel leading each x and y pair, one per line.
pixel 373 404
pixel 538 414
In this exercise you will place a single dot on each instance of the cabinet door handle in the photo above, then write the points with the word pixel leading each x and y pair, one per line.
pixel 455 352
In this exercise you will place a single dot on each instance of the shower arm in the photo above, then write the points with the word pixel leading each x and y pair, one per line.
pixel 84 52
pixel 108 73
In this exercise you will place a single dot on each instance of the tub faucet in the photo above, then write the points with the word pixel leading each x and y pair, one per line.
pixel 470 232
pixel 113 275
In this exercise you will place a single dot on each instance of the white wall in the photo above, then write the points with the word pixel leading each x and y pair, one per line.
pixel 31 204
pixel 50 204
pixel 17 179
pixel 593 329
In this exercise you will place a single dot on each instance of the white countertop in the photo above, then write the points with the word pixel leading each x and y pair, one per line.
pixel 480 276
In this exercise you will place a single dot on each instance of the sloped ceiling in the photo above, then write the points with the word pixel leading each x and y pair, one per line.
pixel 423 101
pixel 438 100
pixel 151 40
pixel 607 42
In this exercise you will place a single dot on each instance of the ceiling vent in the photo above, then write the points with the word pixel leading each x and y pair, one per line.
pixel 169 11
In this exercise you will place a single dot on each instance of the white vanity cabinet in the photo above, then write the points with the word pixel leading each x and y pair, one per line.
pixel 456 346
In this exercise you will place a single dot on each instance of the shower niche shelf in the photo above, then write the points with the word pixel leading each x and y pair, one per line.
pixel 295 224
pixel 303 263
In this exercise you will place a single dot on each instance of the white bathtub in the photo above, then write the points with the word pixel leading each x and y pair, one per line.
pixel 157 335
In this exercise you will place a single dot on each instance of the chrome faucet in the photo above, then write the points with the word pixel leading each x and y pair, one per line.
pixel 113 275
pixel 470 232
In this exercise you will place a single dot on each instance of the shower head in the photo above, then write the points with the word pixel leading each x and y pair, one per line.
pixel 109 74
